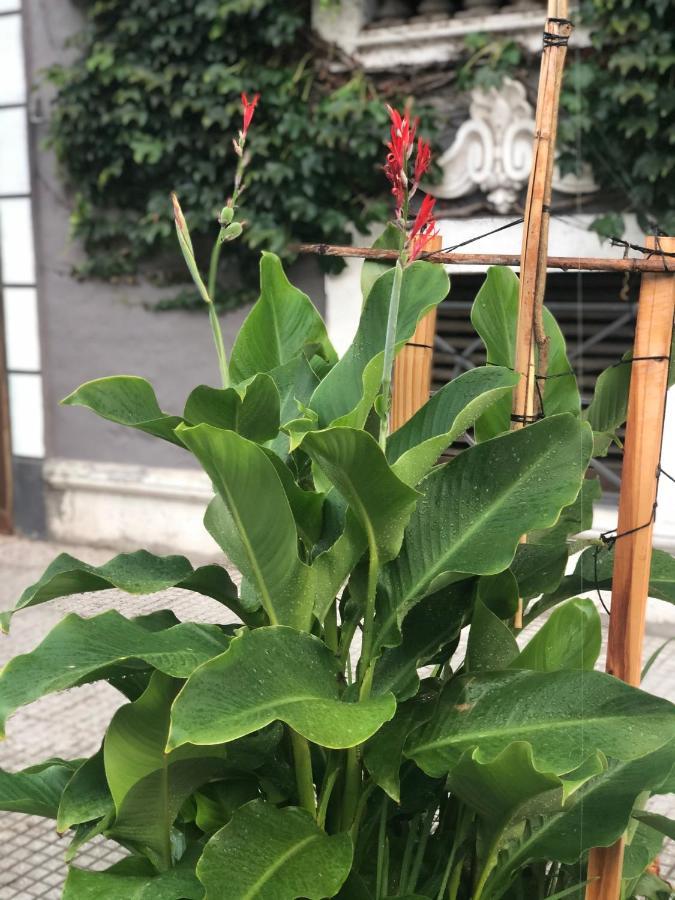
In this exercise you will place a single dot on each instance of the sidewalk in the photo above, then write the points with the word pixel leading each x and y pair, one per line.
pixel 70 725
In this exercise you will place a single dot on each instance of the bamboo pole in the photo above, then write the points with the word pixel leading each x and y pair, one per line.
pixel 630 582
pixel 6 487
pixel 412 372
pixel 531 351
pixel 565 263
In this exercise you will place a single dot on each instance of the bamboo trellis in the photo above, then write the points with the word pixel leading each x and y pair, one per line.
pixel 646 406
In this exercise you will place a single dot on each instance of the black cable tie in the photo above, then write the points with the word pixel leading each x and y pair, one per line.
pixel 546 207
pixel 596 552
pixel 415 344
pixel 629 362
pixel 555 40
pixel 609 539
pixel 526 420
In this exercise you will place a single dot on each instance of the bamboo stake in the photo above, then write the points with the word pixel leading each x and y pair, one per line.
pixel 412 372
pixel 531 341
pixel 565 263
pixel 630 582
pixel 6 487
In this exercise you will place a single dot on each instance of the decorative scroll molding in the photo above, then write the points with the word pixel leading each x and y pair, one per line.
pixel 492 151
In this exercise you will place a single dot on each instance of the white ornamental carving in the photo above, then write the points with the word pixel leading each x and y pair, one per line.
pixel 492 151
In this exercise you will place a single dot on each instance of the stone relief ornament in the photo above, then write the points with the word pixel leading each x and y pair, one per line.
pixel 492 151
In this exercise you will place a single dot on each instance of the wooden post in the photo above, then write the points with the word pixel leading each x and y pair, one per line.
pixel 632 560
pixel 531 342
pixel 412 371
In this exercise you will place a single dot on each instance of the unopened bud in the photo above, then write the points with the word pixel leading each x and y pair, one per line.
pixel 226 215
pixel 231 232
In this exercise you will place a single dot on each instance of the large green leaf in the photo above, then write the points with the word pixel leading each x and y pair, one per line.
pixel 607 410
pixel 37 790
pixel 265 853
pixel 593 571
pixel 415 447
pixel 355 464
pixel 78 649
pixel 135 573
pixel 134 878
pixel 127 400
pixel 570 639
pixel 475 508
pixel 563 715
pixel 251 409
pixel 661 823
pixel 596 815
pixel 252 521
pixel 539 565
pixel 273 673
pixel 296 381
pixel 431 625
pixel 149 785
pixel 282 324
pixel 491 643
pixel 495 316
pixel 346 394
pixel 87 796
pixel 383 754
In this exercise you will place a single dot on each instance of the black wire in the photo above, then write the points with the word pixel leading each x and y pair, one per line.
pixel 473 239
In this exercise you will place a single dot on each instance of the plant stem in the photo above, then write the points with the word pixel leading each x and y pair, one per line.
pixel 326 792
pixel 303 772
pixel 407 854
pixel 213 270
pixel 381 850
pixel 330 629
pixel 421 849
pixel 365 673
pixel 389 349
pixel 352 790
pixel 453 887
pixel 220 346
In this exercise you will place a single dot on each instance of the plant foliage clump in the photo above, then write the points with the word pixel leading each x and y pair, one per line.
pixel 151 102
pixel 620 104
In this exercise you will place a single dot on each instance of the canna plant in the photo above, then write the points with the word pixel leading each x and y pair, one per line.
pixel 339 738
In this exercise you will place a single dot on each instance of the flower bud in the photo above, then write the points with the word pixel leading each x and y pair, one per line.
pixel 226 215
pixel 231 232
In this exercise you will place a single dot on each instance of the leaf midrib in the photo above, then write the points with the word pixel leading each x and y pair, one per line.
pixel 288 854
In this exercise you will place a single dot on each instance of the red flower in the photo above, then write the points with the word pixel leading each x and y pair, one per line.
pixel 248 110
pixel 423 229
pixel 400 146
pixel 422 160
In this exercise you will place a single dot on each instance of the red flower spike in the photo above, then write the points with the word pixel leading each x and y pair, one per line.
pixel 422 160
pixel 248 108
pixel 423 229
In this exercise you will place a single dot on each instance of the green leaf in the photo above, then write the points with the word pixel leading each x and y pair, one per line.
pixel 607 410
pixel 296 381
pixel 268 674
pixel 539 565
pixel 596 815
pixel 570 639
pixel 149 785
pixel 37 790
pixel 127 400
pixel 78 650
pixel 251 409
pixel 594 570
pixel 266 853
pixel 281 325
pixel 430 626
pixel 355 464
pixel 86 796
pixel 660 823
pixel 217 803
pixel 563 715
pixel 491 643
pixel 134 573
pixel 475 508
pixel 390 239
pixel 251 519
pixel 306 506
pixel 494 316
pixel 415 447
pixel 347 393
pixel 134 878
pixel 383 754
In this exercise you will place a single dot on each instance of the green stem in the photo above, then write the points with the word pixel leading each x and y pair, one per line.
pixel 407 854
pixel 220 347
pixel 303 772
pixel 326 792
pixel 389 350
pixel 365 663
pixel 381 850
pixel 330 629
pixel 453 887
pixel 350 799
pixel 213 270
pixel 421 849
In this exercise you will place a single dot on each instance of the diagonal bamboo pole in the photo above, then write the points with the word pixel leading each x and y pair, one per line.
pixel 412 372
pixel 531 352
pixel 630 582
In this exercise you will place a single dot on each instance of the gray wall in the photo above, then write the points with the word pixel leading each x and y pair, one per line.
pixel 90 329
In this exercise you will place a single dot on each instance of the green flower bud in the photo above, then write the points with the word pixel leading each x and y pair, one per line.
pixel 230 233
pixel 226 215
